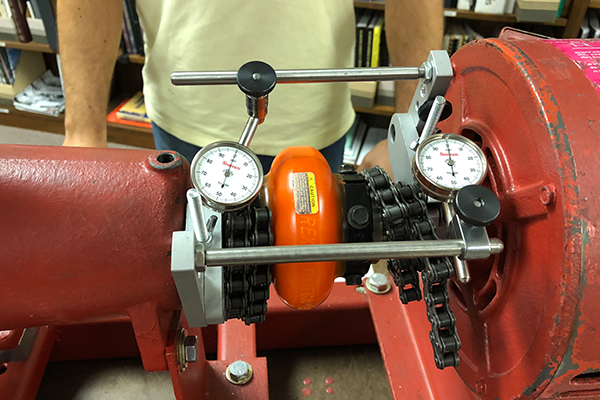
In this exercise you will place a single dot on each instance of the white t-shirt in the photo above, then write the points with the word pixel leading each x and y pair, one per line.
pixel 202 35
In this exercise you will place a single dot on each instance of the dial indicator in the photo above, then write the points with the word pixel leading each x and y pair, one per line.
pixel 227 175
pixel 445 163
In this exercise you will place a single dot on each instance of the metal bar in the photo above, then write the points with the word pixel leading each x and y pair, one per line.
pixel 460 266
pixel 198 220
pixel 249 131
pixel 237 341
pixel 304 75
pixel 340 252
pixel 433 118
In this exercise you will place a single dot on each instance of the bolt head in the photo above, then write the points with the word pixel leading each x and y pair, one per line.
pixel 378 283
pixel 191 348
pixel 239 372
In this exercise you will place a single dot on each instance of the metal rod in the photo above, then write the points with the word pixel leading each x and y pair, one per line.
pixel 339 252
pixel 460 266
pixel 304 75
pixel 249 131
pixel 197 214
pixel 433 118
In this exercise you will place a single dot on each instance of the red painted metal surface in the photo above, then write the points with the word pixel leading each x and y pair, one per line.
pixel 92 239
pixel 527 319
pixel 87 235
pixel 21 379
pixel 10 339
pixel 403 336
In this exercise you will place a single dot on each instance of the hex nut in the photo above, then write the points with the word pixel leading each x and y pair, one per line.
pixel 378 283
pixel 239 372
pixel 191 348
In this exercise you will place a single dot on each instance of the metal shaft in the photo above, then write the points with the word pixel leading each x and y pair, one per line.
pixel 340 252
pixel 304 75
pixel 460 266
pixel 433 118
pixel 197 212
pixel 249 131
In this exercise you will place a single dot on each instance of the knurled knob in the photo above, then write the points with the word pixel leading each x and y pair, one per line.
pixel 477 205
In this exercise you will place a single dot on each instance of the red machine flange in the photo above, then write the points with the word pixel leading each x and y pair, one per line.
pixel 527 320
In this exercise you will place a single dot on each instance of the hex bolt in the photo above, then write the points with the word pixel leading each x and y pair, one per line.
pixel 378 283
pixel 191 348
pixel 239 372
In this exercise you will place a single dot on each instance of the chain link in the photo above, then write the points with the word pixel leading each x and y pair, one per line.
pixel 246 287
pixel 404 210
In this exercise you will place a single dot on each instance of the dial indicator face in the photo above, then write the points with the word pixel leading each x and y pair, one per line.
pixel 227 174
pixel 446 163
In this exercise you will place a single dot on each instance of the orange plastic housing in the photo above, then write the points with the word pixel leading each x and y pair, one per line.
pixel 304 199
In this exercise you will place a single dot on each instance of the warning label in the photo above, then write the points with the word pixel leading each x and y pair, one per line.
pixel 305 193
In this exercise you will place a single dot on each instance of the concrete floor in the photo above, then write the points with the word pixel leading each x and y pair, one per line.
pixel 357 371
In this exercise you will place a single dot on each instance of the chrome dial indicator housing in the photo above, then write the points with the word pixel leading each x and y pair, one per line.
pixel 445 163
pixel 228 175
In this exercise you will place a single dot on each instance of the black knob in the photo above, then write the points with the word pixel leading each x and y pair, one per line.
pixel 426 107
pixel 256 78
pixel 477 205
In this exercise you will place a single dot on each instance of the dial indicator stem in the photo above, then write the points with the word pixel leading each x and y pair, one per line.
pixel 249 131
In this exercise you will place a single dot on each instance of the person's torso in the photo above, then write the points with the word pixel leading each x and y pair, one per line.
pixel 193 35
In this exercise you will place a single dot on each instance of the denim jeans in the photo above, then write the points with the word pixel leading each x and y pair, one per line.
pixel 334 154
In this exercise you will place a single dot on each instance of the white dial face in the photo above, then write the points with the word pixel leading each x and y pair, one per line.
pixel 227 175
pixel 451 163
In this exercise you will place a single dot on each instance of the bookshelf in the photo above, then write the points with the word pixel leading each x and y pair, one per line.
pixel 470 15
pixel 117 133
pixel 377 109
pixel 143 137
pixel 506 18
pixel 136 59
pixel 31 46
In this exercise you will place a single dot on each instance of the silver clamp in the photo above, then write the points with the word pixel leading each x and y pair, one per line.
pixel 406 129
pixel 200 289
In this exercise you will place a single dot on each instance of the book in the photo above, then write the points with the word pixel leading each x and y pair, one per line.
pixel 125 37
pixel 112 117
pixel 134 109
pixel 464 5
pixel 43 96
pixel 368 46
pixel 49 20
pixel 354 141
pixel 377 29
pixel 490 6
pixel 384 54
pixel 129 27
pixel 372 137
pixel 18 10
pixel 360 39
pixel 135 25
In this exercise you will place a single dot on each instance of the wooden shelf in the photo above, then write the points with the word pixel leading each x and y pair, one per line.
pixel 117 133
pixel 374 5
pixel 452 13
pixel 508 18
pixel 594 4
pixel 137 59
pixel 31 46
pixel 386 111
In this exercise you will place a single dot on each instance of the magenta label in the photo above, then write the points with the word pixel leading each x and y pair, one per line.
pixel 585 53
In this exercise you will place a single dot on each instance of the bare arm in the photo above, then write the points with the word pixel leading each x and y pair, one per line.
pixel 413 28
pixel 89 32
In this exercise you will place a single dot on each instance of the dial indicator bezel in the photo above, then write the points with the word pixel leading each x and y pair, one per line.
pixel 213 203
pixel 435 189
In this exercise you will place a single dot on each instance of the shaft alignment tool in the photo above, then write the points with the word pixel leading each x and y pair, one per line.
pixel 310 226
